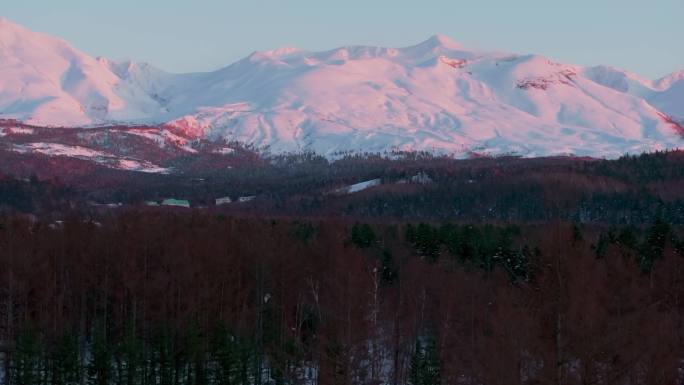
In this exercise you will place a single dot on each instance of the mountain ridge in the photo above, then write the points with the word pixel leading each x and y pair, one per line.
pixel 436 95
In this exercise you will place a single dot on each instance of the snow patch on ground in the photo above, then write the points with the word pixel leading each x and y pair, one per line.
pixel 223 201
pixel 79 152
pixel 357 187
pixel 57 149
pixel 164 138
pixel 141 166
pixel 224 151
pixel 20 131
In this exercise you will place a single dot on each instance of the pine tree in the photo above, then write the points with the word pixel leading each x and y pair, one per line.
pixel 162 372
pixel 362 235
pixel 26 359
pixel 224 352
pixel 601 246
pixel 100 365
pixel 426 240
pixel 654 246
pixel 193 355
pixel 415 365
pixel 432 364
pixel 131 351
pixel 388 272
pixel 577 235
pixel 425 364
pixel 66 361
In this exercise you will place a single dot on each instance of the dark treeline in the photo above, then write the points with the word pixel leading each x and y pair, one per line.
pixel 192 297
pixel 630 190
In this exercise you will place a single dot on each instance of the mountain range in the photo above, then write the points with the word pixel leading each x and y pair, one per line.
pixel 436 96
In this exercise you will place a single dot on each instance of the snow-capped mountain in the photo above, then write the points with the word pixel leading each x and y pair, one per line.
pixel 436 95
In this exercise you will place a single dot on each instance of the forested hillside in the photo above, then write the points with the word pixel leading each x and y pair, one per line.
pixel 407 186
pixel 415 270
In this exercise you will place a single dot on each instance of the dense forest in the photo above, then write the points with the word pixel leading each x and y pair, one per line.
pixel 481 271
pixel 151 297
pixel 630 190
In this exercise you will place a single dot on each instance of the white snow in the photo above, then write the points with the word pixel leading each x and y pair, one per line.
pixel 363 185
pixel 79 152
pixel 223 201
pixel 435 96
pixel 138 165
pixel 56 149
pixel 224 151
pixel 354 188
pixel 20 131
pixel 163 138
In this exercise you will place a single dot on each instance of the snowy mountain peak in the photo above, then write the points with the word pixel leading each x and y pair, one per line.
pixel 278 52
pixel 10 32
pixel 6 25
pixel 14 34
pixel 434 96
pixel 442 41
pixel 669 80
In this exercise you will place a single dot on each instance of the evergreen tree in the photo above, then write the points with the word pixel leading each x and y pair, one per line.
pixel 131 353
pixel 426 240
pixel 517 264
pixel 415 365
pixel 654 246
pixel 601 246
pixel 425 364
pixel 388 271
pixel 577 235
pixel 193 355
pixel 162 371
pixel 234 358
pixel 627 237
pixel 100 365
pixel 432 364
pixel 224 353
pixel 27 358
pixel 362 235
pixel 66 368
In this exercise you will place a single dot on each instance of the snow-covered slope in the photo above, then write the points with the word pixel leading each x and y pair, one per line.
pixel 436 96
pixel 46 81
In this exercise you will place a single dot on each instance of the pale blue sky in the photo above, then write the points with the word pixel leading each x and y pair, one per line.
pixel 646 37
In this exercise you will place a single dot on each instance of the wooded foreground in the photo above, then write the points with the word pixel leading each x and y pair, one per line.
pixel 148 296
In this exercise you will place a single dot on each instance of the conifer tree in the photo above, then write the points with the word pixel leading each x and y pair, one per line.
pixel 425 365
pixel 654 246
pixel 100 365
pixel 66 368
pixel 131 353
pixel 26 359
pixel 362 235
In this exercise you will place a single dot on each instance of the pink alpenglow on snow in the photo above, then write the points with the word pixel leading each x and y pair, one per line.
pixel 435 96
